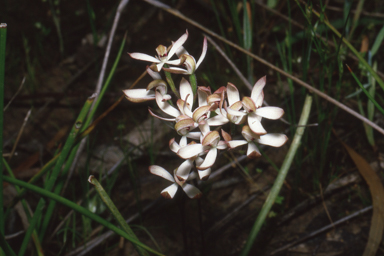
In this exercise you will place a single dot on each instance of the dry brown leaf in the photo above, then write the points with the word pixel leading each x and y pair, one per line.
pixel 364 44
pixel 377 193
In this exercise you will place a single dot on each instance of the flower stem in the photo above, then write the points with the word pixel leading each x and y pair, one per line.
pixel 170 82
pixel 3 39
pixel 280 178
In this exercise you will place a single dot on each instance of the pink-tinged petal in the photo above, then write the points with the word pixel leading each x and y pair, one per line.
pixel 217 120
pixel 248 134
pixel 194 135
pixel 258 88
pixel 175 70
pixel 255 124
pixel 174 146
pixel 248 104
pixel 236 143
pixel 191 191
pixel 191 150
pixel 184 126
pixel 211 139
pixel 270 112
pixel 177 44
pixel 143 56
pixel 209 159
pixel 159 85
pixel 232 94
pixel 166 107
pixel 201 113
pixel 160 171
pixel 253 151
pixel 226 136
pixel 184 169
pixel 153 74
pixel 169 192
pixel 186 92
pixel 160 117
pixel 139 95
pixel 273 139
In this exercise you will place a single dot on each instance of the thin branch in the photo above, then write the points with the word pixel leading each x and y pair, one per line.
pixel 323 229
pixel 266 63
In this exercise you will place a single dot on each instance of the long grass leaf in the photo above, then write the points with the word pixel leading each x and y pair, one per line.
pixel 280 178
pixel 78 209
pixel 378 41
pixel 3 39
pixel 107 200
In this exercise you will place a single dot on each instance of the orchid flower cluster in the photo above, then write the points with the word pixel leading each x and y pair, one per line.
pixel 199 141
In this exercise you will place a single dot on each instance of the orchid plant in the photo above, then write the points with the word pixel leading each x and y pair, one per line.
pixel 199 143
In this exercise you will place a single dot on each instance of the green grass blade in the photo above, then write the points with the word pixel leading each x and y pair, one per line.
pixel 378 41
pixel 3 39
pixel 353 49
pixel 365 91
pixel 107 200
pixel 78 209
pixel 280 178
pixel 31 228
pixel 79 124
pixel 5 246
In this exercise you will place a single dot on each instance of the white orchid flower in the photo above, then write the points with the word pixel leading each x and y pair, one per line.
pixel 251 138
pixel 141 95
pixel 254 111
pixel 188 60
pixel 164 54
pixel 209 145
pixel 170 191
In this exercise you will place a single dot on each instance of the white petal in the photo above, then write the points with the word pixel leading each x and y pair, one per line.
pixel 185 90
pixel 160 117
pixel 236 143
pixel 191 150
pixel 181 51
pixel 209 159
pixel 235 112
pixel 169 192
pixel 174 146
pixel 177 44
pixel 270 112
pixel 173 62
pixel 184 169
pixel 258 88
pixel 260 100
pixel 139 95
pixel 165 106
pixel 204 174
pixel 191 191
pixel 176 70
pixel 159 66
pixel 143 56
pixel 194 135
pixel 183 142
pixel 253 151
pixel 160 171
pixel 203 53
pixel 273 139
pixel 255 124
pixel 217 120
pixel 232 94
pixel 153 74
